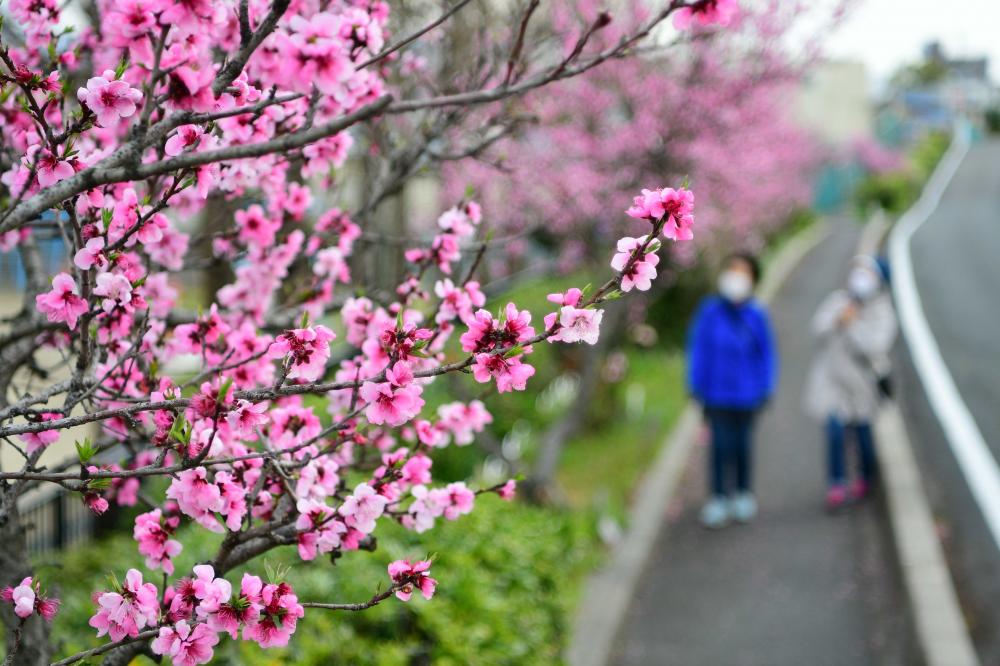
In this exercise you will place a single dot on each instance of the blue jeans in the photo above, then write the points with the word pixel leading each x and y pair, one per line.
pixel 730 460
pixel 836 431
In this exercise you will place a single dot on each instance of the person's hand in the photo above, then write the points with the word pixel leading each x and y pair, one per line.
pixel 848 314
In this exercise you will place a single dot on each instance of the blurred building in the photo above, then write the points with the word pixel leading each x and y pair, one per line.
pixel 834 103
pixel 930 94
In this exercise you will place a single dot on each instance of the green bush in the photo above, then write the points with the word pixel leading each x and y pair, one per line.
pixel 992 120
pixel 896 191
pixel 508 578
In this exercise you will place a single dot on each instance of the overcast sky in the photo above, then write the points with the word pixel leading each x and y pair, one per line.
pixel 886 33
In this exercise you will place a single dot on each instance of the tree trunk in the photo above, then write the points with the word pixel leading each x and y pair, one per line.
pixel 32 648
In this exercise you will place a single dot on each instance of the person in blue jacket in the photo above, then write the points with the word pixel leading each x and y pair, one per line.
pixel 732 372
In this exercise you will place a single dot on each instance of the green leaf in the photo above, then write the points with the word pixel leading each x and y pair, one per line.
pixel 304 322
pixel 223 390
pixel 516 350
pixel 86 449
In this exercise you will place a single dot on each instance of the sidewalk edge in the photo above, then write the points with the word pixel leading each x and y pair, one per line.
pixel 937 616
pixel 942 632
pixel 609 590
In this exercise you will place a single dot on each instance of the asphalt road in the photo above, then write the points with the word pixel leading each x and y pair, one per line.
pixel 797 586
pixel 956 259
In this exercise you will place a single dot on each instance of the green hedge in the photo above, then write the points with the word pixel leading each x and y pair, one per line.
pixel 508 578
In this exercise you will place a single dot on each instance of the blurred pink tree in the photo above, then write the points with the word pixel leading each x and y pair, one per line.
pixel 719 115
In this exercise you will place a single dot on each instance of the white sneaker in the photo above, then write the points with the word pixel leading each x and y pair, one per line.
pixel 743 507
pixel 715 514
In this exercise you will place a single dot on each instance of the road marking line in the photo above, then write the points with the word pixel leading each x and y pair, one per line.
pixel 967 443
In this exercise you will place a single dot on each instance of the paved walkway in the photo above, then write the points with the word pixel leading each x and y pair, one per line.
pixel 797 587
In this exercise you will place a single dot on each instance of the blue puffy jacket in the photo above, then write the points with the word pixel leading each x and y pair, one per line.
pixel 732 361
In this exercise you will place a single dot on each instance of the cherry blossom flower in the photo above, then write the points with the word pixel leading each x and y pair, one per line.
pixel 247 417
pixel 408 576
pixel 49 167
pixel 510 373
pixel 109 98
pixel 459 500
pixel 128 610
pixel 642 270
pixel 576 325
pixel 185 137
pixel 197 497
pixel 464 420
pixel 307 350
pixel 507 490
pixel 362 508
pixel 319 529
pixel 27 599
pixel 186 646
pixel 244 610
pixel 63 303
pixel 390 406
pixel 705 13
pixel 36 441
pixel 116 290
pixel 90 255
pixel 279 614
pixel 153 533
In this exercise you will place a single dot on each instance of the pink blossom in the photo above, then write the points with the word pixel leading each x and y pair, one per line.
pixel 330 263
pixel 307 350
pixel 196 496
pixel 63 303
pixel 362 509
pixel 576 325
pixel 416 470
pixel 116 290
pixel 39 440
pixel 510 373
pixel 390 406
pixel 247 417
pixel 319 530
pixel 91 254
pixel 279 614
pixel 706 12
pixel 675 208
pixel 406 576
pixel 243 610
pixel 153 534
pixel 49 167
pixel 463 421
pixel 185 137
pixel 128 610
pixel 109 99
pixel 211 592
pixel 256 228
pixel 507 490
pixel 460 500
pixel 642 270
pixel 186 646
pixel 27 599
pixel 23 597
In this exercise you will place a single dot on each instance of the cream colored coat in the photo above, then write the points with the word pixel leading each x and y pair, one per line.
pixel 843 381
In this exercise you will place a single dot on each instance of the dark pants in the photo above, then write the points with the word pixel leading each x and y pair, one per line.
pixel 836 432
pixel 731 448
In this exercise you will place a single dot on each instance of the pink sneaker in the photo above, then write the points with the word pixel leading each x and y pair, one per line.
pixel 860 489
pixel 836 497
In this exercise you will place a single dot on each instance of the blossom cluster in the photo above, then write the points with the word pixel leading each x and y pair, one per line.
pixel 291 409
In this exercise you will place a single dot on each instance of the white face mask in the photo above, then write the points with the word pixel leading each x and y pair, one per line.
pixel 735 286
pixel 862 283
